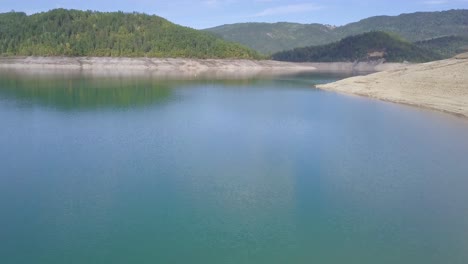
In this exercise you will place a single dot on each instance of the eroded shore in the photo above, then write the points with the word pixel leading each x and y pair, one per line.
pixel 178 68
pixel 166 67
pixel 439 85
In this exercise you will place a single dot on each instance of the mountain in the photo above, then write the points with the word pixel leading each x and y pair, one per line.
pixel 62 32
pixel 413 27
pixel 369 46
pixel 269 38
pixel 446 46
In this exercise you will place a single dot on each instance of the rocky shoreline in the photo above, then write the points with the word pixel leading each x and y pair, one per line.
pixel 178 67
pixel 150 66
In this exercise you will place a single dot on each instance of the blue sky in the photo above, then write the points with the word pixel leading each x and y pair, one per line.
pixel 207 13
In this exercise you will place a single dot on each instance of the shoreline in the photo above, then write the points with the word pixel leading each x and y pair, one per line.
pixel 179 67
pixel 158 67
pixel 439 85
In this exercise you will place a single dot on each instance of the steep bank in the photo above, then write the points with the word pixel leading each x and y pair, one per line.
pixel 440 85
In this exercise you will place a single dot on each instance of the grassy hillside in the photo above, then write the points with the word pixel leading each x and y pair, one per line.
pixel 446 46
pixel 268 38
pixel 86 33
pixel 368 46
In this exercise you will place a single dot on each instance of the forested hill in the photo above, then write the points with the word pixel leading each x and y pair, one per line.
pixel 269 38
pixel 365 47
pixel 62 32
pixel 448 46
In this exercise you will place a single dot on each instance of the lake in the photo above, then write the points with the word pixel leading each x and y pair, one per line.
pixel 263 170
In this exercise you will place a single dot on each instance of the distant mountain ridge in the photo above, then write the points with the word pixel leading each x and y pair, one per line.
pixel 371 46
pixel 62 32
pixel 269 38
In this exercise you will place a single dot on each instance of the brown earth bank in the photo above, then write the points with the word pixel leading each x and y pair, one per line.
pixel 439 85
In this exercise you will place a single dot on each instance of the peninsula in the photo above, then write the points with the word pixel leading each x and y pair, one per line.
pixel 439 85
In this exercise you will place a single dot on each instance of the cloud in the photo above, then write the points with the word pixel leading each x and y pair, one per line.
pixel 213 3
pixel 288 9
pixel 435 2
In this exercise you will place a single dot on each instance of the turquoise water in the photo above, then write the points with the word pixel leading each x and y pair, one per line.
pixel 133 170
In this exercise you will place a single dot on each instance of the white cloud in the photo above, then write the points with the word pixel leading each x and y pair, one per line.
pixel 435 2
pixel 213 3
pixel 288 9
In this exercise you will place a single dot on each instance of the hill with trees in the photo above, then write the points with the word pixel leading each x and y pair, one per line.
pixel 446 46
pixel 369 46
pixel 62 32
pixel 269 38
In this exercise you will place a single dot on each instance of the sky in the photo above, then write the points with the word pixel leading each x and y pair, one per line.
pixel 201 14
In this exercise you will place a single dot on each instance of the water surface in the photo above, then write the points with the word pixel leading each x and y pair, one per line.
pixel 266 170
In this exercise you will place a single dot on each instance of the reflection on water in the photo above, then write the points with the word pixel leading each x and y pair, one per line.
pixel 74 91
pixel 260 170
pixel 79 93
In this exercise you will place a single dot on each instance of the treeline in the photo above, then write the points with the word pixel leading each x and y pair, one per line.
pixel 448 46
pixel 62 32
pixel 363 47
